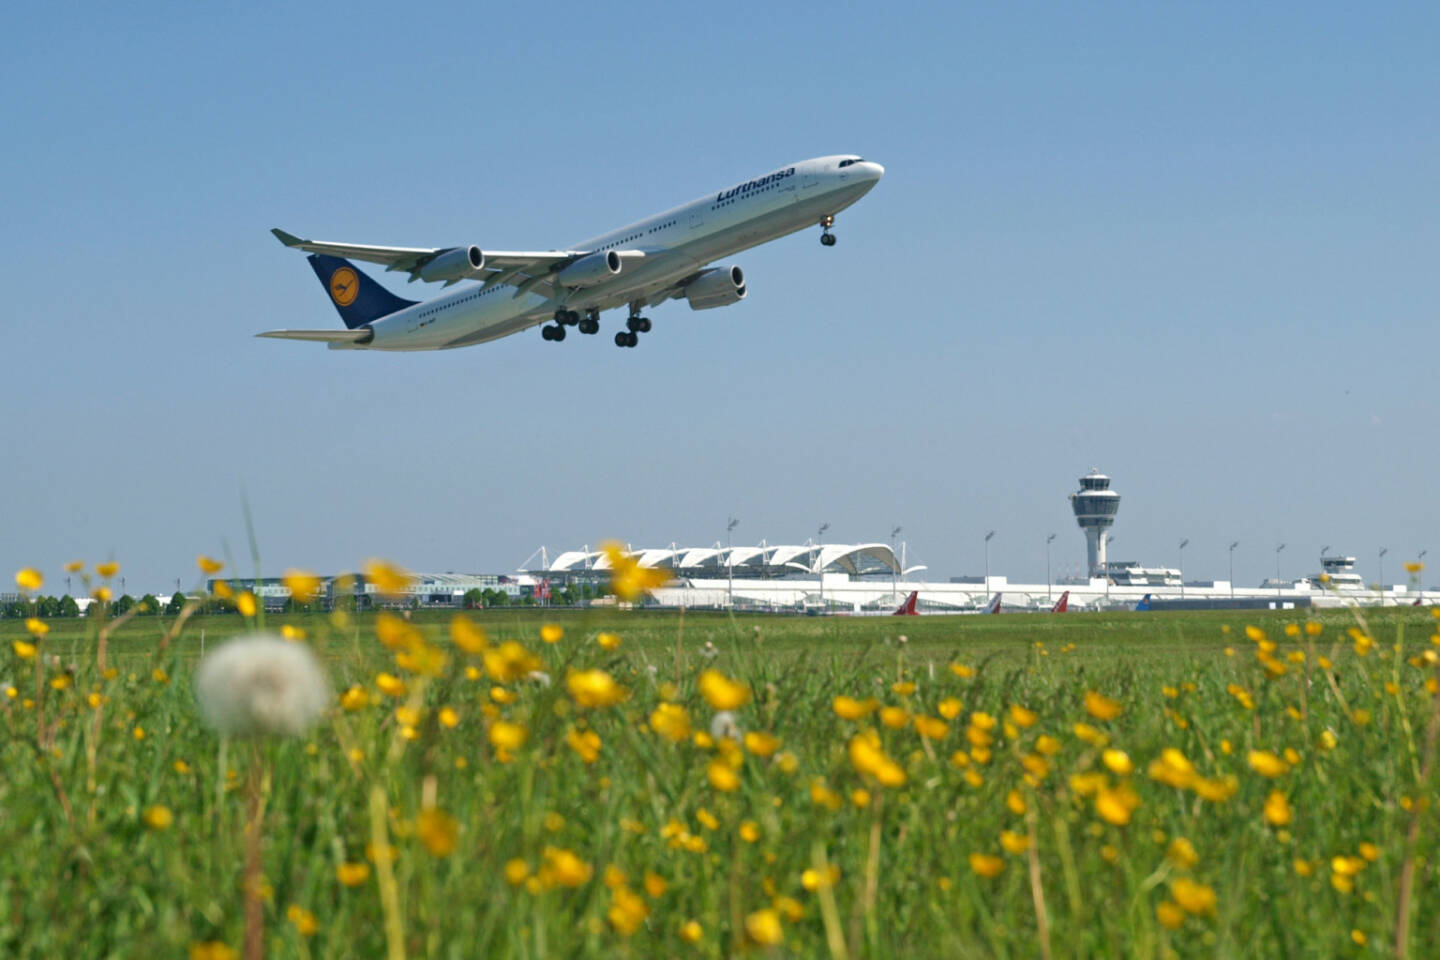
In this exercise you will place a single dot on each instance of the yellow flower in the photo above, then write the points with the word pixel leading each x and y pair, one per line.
pixel 292 633
pixel 501 695
pixel 949 708
pixel 158 817
pixel 721 692
pixel 352 874
pixel 1023 717
pixel 212 950
pixel 551 633
pixel 848 708
pixel 303 585
pixel 1303 868
pixel 103 594
pixel 1196 898
pixel 1118 761
pixel 594 688
pixel 517 871
pixel 585 743
pixel 1370 852
pixel 1117 804
pixel 245 603
pixel 208 565
pixel 1267 764
pixel 763 927
pixel 508 736
pixel 466 635
pixel 1047 745
pixel 438 831
pixel 627 910
pixel 1414 567
pixel 29 579
pixel 761 744
pixel 1170 915
pixel 388 579
pixel 903 687
pixel 1014 842
pixel 860 797
pixel 449 717
pixel 628 580
pixel 74 566
pixel 390 685
pixel 1181 853
pixel 986 865
pixel 37 628
pixel 896 718
pixel 223 590
pixel 60 681
pixel 1091 735
pixel 691 932
pixel 1277 809
pixel 509 662
pixel 931 728
pixel 23 649
pixel 671 721
pixel 721 776
pixel 608 641
pixel 813 880
pixel 1102 707
pixel 868 757
pixel 563 867
pixel 303 920
pixel 962 671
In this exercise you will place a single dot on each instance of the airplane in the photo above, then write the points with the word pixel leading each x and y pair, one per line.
pixel 664 257
pixel 1063 604
pixel 907 609
pixel 993 606
pixel 1144 603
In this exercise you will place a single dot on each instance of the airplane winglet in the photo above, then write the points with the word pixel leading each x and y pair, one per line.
pixel 289 239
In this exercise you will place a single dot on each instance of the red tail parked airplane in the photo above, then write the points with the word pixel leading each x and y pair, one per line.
pixel 1062 604
pixel 907 609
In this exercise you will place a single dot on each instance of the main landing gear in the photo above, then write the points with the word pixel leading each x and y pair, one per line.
pixel 590 323
pixel 634 326
pixel 826 237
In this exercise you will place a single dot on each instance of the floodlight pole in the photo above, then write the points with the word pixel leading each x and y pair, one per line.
pixel 1047 566
pixel 1233 545
pixel 987 564
pixel 819 569
pixel 1383 551
pixel 894 574
pixel 1277 568
pixel 730 525
pixel 1183 541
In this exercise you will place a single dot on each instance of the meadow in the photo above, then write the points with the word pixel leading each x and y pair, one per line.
pixel 635 783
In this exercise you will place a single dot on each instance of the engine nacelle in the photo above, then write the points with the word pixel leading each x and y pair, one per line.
pixel 716 287
pixel 462 263
pixel 590 269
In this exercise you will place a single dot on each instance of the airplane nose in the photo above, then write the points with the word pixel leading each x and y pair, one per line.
pixel 872 170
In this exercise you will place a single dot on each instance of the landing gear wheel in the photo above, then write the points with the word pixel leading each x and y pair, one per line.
pixel 632 323
pixel 644 325
pixel 622 339
pixel 828 239
pixel 556 332
pixel 589 325
pixel 632 339
pixel 571 318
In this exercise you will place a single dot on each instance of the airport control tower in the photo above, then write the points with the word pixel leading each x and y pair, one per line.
pixel 1095 506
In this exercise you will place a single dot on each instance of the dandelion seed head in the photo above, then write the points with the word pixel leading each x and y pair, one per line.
pixel 260 684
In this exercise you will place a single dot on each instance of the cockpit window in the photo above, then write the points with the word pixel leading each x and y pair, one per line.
pixel 846 163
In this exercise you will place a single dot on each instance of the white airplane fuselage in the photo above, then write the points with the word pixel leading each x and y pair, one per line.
pixel 676 244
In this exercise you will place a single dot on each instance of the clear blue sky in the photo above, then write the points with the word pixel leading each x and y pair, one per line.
pixel 1193 244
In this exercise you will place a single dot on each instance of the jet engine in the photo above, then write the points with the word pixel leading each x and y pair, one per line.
pixel 716 287
pixel 590 269
pixel 461 263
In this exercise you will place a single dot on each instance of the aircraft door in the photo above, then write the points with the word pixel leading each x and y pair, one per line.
pixel 809 178
pixel 697 219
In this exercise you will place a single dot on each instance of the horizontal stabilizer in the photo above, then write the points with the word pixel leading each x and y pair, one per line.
pixel 362 335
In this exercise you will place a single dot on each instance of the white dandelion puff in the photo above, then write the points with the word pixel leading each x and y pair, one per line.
pixel 260 684
pixel 724 726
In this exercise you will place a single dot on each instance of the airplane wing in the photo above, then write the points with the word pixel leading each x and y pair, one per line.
pixel 516 267
pixel 361 335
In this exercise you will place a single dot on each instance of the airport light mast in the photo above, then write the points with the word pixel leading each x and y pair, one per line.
pixel 1095 506
pixel 1183 541
pixel 987 561
pixel 1233 545
pixel 1047 566
pixel 730 526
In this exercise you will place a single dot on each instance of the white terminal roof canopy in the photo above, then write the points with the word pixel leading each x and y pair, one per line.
pixel 856 559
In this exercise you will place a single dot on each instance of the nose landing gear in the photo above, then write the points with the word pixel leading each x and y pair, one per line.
pixel 826 237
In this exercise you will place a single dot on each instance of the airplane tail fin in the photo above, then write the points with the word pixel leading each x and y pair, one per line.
pixel 359 299
pixel 994 606
pixel 1062 604
pixel 907 609
pixel 1144 603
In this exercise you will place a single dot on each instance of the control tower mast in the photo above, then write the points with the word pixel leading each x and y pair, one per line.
pixel 1095 506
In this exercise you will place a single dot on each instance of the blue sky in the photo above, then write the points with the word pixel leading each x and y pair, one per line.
pixel 1191 244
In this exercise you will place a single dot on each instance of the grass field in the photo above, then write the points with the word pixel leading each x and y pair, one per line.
pixel 1081 785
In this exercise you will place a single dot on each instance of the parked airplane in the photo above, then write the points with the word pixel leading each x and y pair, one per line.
pixel 640 266
pixel 1062 604
pixel 994 605
pixel 907 609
